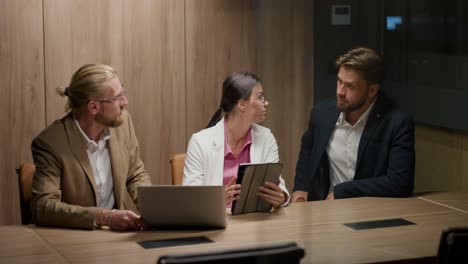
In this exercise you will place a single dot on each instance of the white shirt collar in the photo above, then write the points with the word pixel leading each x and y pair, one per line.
pixel 362 119
pixel 92 146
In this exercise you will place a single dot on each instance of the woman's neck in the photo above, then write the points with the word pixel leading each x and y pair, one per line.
pixel 236 130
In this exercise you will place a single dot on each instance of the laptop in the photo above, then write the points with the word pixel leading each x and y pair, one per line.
pixel 175 206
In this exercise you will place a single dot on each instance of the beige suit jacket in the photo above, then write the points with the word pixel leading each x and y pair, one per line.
pixel 64 189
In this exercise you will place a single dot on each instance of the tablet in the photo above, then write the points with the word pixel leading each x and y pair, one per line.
pixel 251 176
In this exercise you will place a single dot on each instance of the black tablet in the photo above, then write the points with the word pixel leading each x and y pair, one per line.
pixel 251 176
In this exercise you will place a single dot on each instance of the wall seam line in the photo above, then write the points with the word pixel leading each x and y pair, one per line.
pixel 185 71
pixel 44 62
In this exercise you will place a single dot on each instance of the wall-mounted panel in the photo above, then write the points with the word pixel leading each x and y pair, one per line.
pixel 21 95
pixel 144 41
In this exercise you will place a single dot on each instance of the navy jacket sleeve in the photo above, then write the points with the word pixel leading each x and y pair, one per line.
pixel 305 158
pixel 311 174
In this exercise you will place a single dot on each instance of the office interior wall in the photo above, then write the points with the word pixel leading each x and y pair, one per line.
pixel 270 38
pixel 285 62
pixel 171 55
pixel 441 159
pixel 172 62
pixel 22 102
pixel 220 39
pixel 144 41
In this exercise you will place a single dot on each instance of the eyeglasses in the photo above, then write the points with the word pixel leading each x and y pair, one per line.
pixel 260 98
pixel 120 97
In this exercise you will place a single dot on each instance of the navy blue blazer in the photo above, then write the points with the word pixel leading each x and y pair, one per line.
pixel 385 160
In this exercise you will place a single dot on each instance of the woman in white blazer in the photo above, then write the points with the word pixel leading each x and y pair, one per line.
pixel 214 154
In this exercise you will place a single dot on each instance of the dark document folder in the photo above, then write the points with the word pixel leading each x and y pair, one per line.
pixel 252 176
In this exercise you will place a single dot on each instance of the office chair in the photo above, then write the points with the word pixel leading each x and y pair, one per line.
pixel 177 166
pixel 283 252
pixel 25 174
pixel 300 200
pixel 453 245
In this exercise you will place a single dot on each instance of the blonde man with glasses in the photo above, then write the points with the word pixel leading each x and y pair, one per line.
pixel 88 165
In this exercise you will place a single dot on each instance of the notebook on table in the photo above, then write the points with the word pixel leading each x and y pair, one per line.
pixel 175 206
pixel 251 176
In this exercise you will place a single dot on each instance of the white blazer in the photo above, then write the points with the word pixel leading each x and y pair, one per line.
pixel 204 163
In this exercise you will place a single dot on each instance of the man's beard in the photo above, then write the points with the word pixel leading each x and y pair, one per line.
pixel 351 107
pixel 115 122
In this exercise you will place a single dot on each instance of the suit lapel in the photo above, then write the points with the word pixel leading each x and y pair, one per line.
pixel 323 135
pixel 77 144
pixel 369 129
pixel 217 151
pixel 375 116
pixel 118 170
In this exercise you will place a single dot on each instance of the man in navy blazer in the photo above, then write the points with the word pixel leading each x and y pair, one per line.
pixel 360 144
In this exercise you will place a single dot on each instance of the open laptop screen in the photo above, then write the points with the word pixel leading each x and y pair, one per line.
pixel 172 206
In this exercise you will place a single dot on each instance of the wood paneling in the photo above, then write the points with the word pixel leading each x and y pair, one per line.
pixel 21 95
pixel 218 42
pixel 270 38
pixel 144 41
pixel 284 52
pixel 154 67
pixel 464 163
pixel 441 159
pixel 77 33
pixel 172 55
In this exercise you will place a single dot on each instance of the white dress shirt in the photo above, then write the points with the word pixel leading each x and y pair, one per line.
pixel 342 148
pixel 98 154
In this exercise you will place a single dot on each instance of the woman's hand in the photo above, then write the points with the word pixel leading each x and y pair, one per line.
pixel 272 194
pixel 232 190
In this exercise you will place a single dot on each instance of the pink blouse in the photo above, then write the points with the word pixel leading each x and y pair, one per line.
pixel 231 163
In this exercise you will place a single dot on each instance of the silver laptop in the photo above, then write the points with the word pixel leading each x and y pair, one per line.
pixel 172 206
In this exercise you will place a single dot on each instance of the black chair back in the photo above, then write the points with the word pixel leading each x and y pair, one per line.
pixel 453 247
pixel 284 252
pixel 25 174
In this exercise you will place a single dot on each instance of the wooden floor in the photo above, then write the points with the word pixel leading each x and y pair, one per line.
pixel 316 226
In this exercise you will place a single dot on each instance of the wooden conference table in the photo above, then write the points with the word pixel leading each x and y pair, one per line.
pixel 316 226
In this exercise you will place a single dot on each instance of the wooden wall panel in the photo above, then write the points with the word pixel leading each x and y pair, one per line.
pixel 154 67
pixel 441 159
pixel 78 33
pixel 464 163
pixel 270 38
pixel 219 41
pixel 21 95
pixel 284 57
pixel 144 41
